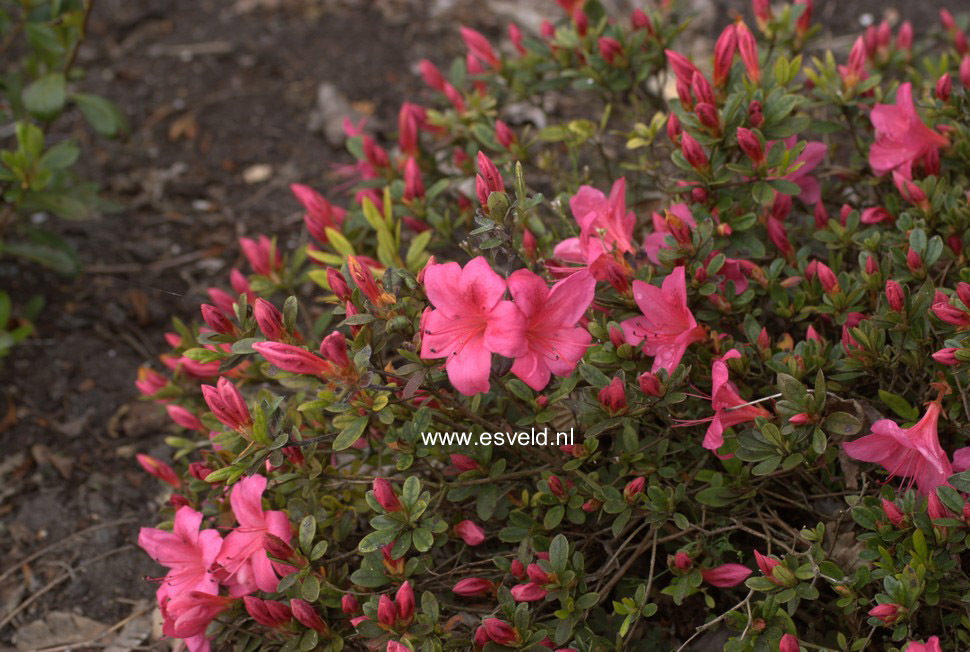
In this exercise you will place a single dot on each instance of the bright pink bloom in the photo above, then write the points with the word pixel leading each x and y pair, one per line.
pixel 470 533
pixel 726 575
pixel 242 557
pixel 555 344
pixel 187 615
pixel 605 227
pixel 158 469
pixel 473 586
pixel 470 322
pixel 320 214
pixel 911 453
pixel 901 137
pixel 667 326
pixel 932 644
pixel 677 221
pixel 186 552
pixel 725 401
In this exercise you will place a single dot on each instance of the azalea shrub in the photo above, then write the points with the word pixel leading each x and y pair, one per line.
pixel 612 349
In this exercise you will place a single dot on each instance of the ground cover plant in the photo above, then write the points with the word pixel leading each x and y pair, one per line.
pixel 740 282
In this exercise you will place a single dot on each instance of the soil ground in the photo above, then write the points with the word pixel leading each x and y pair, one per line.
pixel 219 94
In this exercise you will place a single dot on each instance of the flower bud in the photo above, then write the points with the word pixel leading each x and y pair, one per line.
pixel 650 384
pixel 470 533
pixel 515 36
pixel 693 153
pixel 338 285
pixel 217 320
pixel 779 236
pixel 464 463
pixel 800 419
pixel 682 561
pixel 946 356
pixel 292 359
pixel 894 295
pixel 944 87
pixel 227 404
pixel 751 146
pixel 887 613
pixel 610 49
pixel 964 70
pixel 555 486
pixel 432 76
pixel 473 586
pixel 821 216
pixel 184 418
pixel 708 116
pixel 613 396
pixel 871 266
pixel 805 20
pixel 762 13
pixel 517 570
pixel 385 496
pixel 914 261
pixel 724 49
pixel 504 135
pixel 386 612
pixel 673 129
pixel 307 616
pixel 268 319
pixel 935 508
pixel 500 632
pixel 633 489
pixel 893 514
pixel 404 601
pixel 640 20
pixel 413 186
pixel 748 47
pixel 349 604
pixel 788 643
pixel 158 469
pixel 268 613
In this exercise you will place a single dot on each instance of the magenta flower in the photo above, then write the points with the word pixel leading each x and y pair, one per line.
pixel 677 221
pixel 605 225
pixel 320 213
pixel 810 158
pixel 187 615
pixel 901 137
pixel 961 459
pixel 186 552
pixel 726 575
pixel 470 322
pixel 932 644
pixel 913 453
pixel 667 326
pixel 554 343
pixel 242 557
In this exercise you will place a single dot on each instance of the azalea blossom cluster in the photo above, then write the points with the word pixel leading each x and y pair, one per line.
pixel 749 297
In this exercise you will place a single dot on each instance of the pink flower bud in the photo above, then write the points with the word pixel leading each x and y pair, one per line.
pixel 413 186
pixel 555 486
pixel 473 586
pixel 946 356
pixel 364 279
pixel 965 70
pixel 946 19
pixel 725 575
pixel 268 613
pixel 199 471
pixel 633 489
pixel 805 20
pixel 650 384
pixel 386 611
pixel 951 314
pixel 349 604
pixel 292 359
pixel 269 319
pixel 960 43
pixel 693 153
pixel 613 396
pixel 262 255
pixel 944 87
pixel 504 135
pixel 610 49
pixel 470 533
pixel 479 46
pixel 184 418
pixel 683 562
pixel 894 295
pixel 158 469
pixel 464 463
pixel 779 236
pixel 893 514
pixel 724 49
pixel 914 261
pixel 751 146
pixel 517 570
pixel 708 116
pixel 320 214
pixel 855 70
pixel 875 215
pixel 529 244
pixel 963 293
pixel 871 266
pixel 673 129
pixel 887 613
pixel 702 88
pixel 307 615
pixel 490 174
pixel 404 600
pixel 748 47
pixel 537 575
pixel 217 320
pixel 640 20
pixel 591 505
pixel 481 636
pixel 935 508
pixel 766 565
pixel 904 38
pixel 338 285
pixel 227 404
pixel 515 36
pixel 528 592
pixel 500 632
pixel 800 419
pixel 148 382
pixel 812 335
pixel 788 643
pixel 409 120
pixel 385 496
pixel 333 348
pixel 432 76
pixel 762 12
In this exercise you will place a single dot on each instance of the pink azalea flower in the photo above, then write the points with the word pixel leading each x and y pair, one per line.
pixel 657 240
pixel 932 644
pixel 528 592
pixel 242 557
pixel 810 158
pixel 470 322
pixel 604 225
pixel 911 453
pixel 961 459
pixel 470 533
pixel 667 326
pixel 901 137
pixel 186 616
pixel 726 575
pixel 555 343
pixel 186 552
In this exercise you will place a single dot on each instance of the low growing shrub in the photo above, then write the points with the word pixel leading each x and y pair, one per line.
pixel 742 295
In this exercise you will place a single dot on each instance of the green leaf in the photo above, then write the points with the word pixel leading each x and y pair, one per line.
pixel 553 517
pixel 310 589
pixel 349 435
pixel 54 258
pixel 103 116
pixel 899 405
pixel 842 423
pixel 308 529
pixel 558 553
pixel 45 97
pixel 422 539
